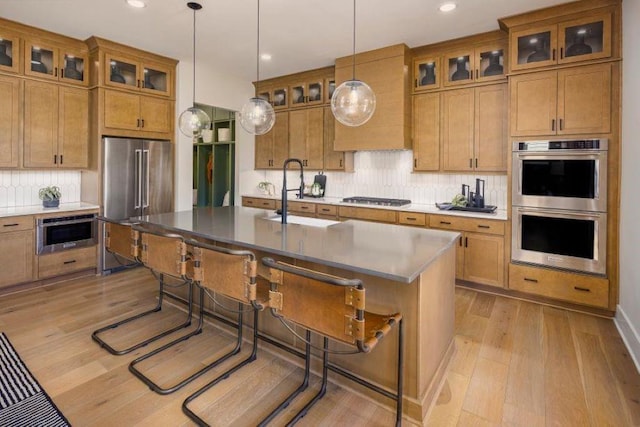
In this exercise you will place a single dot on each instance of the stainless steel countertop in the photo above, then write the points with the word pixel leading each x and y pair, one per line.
pixel 38 209
pixel 499 214
pixel 389 251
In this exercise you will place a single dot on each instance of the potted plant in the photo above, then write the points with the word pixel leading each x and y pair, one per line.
pixel 50 196
pixel 267 188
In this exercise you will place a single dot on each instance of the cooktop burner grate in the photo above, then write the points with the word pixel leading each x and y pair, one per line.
pixel 380 201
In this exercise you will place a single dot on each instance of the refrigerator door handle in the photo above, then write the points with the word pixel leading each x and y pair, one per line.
pixel 145 200
pixel 138 178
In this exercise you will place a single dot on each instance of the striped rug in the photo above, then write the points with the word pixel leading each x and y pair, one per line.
pixel 22 400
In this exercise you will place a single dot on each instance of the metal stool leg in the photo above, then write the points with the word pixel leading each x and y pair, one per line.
pixel 95 335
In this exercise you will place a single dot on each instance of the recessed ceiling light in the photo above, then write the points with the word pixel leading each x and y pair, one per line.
pixel 447 7
pixel 136 3
pixel 265 57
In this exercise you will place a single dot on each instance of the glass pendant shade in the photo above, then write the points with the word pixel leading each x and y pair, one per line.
pixel 257 116
pixel 193 121
pixel 353 103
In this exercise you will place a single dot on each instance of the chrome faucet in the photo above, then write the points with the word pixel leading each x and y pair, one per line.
pixel 285 190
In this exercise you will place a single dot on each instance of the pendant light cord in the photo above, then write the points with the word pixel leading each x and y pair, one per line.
pixel 194 58
pixel 354 41
pixel 258 51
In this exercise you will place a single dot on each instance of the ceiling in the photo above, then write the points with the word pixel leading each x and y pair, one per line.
pixel 299 34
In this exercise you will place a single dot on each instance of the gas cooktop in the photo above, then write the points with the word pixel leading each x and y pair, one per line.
pixel 376 201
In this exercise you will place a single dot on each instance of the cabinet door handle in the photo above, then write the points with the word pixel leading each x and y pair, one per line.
pixel 466 242
pixel 411 218
pixel 62 73
pixel 325 209
pixel 470 163
pixel 484 226
pixel 476 74
pixel 142 121
pixel 55 71
pixel 139 85
pixel 561 53
pixel 460 241
pixel 55 159
pixel 553 124
pixel 11 225
pixel 304 207
pixel 526 279
pixel 560 124
pixel 340 162
pixel 553 54
pixel 138 123
pixel 69 262
pixel 416 82
pixel 445 222
pixel 581 289
pixel 476 162
pixel 415 163
pixel 60 158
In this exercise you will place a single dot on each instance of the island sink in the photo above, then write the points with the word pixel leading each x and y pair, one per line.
pixel 303 220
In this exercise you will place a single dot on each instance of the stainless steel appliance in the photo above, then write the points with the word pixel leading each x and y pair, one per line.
pixel 66 232
pixel 564 174
pixel 572 240
pixel 137 180
pixel 380 201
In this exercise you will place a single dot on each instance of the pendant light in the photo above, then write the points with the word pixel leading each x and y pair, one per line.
pixel 257 116
pixel 193 120
pixel 353 102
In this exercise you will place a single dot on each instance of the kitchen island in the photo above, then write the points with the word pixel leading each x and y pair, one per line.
pixel 405 269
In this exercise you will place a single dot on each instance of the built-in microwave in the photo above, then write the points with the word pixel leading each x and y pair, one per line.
pixel 66 232
pixel 563 174
pixel 564 239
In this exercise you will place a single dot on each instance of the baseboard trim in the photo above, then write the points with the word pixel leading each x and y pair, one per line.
pixel 629 335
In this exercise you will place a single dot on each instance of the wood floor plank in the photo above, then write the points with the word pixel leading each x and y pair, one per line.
pixel 498 338
pixel 446 410
pixel 464 359
pixel 482 305
pixel 565 403
pixel 486 391
pixel 471 420
pixel 519 416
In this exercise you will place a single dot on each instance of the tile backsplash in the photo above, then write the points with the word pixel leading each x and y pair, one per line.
pixel 390 174
pixel 20 188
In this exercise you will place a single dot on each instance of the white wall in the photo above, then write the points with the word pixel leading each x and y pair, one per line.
pixel 213 88
pixel 20 187
pixel 628 314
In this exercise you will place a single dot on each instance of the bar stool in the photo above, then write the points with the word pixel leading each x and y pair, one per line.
pixel 227 272
pixel 118 241
pixel 334 308
pixel 165 255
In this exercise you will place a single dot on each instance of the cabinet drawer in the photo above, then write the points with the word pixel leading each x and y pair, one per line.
pixel 66 262
pixel 367 214
pixel 477 225
pixel 302 207
pixel 329 210
pixel 576 288
pixel 411 218
pixel 16 223
pixel 256 202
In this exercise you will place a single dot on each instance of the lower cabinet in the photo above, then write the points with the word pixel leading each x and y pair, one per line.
pixel 16 250
pixel 482 259
pixel 257 202
pixel 66 262
pixel 561 285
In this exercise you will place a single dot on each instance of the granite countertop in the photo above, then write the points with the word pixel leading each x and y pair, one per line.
pixel 499 214
pixel 389 251
pixel 38 209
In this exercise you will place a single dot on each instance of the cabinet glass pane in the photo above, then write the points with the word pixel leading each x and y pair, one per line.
pixel 459 68
pixel 427 74
pixel 73 68
pixel 492 63
pixel 583 39
pixel 279 97
pixel 6 53
pixel 42 60
pixel 331 87
pixel 265 95
pixel 534 47
pixel 123 72
pixel 315 92
pixel 155 80
pixel 297 95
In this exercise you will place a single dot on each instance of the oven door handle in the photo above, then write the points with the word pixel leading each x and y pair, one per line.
pixel 138 180
pixel 558 213
pixel 145 174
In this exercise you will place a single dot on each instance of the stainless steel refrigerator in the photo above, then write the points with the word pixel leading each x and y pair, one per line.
pixel 137 180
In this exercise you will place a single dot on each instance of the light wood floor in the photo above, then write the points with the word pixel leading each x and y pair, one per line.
pixel 516 363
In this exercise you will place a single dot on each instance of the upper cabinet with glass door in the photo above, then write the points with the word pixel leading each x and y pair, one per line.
pixel 426 72
pixel 9 52
pixel 65 64
pixel 575 40
pixel 306 93
pixel 133 74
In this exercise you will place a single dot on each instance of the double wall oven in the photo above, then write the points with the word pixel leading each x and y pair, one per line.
pixel 559 204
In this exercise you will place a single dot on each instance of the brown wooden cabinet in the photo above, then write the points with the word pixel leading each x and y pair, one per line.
pixel 306 93
pixel 426 132
pixel 140 113
pixel 65 262
pixel 582 39
pixel 10 106
pixel 306 128
pixel 132 73
pixel 58 62
pixel 385 71
pixel 16 250
pixel 475 64
pixel 427 72
pixel 56 126
pixel 10 52
pixel 272 148
pixel 257 202
pixel 474 129
pixel 569 101
pixel 334 160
